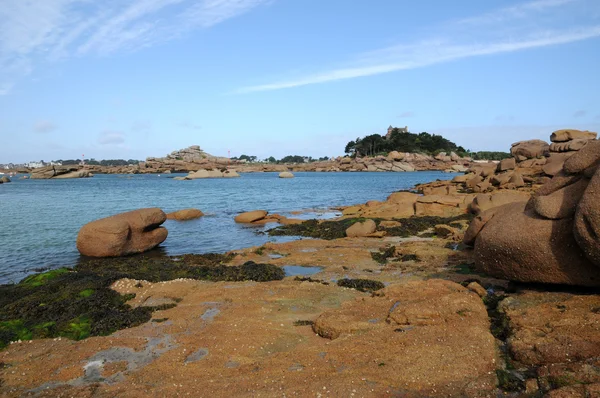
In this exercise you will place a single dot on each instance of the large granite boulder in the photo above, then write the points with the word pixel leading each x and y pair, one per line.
pixel 286 174
pixel 74 174
pixel 486 201
pixel 122 234
pixel 554 237
pixel 517 244
pixel 587 219
pixel 570 134
pixel 250 216
pixel 360 229
pixel 555 162
pixel 530 149
pixel 70 171
pixel 4 179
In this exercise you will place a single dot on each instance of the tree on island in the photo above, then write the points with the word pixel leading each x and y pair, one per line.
pixel 246 158
pixel 94 162
pixel 401 141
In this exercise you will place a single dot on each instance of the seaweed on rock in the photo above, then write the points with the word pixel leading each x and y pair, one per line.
pixel 77 303
pixel 363 285
pixel 328 230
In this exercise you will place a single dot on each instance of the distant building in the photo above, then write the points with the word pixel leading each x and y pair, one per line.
pixel 35 165
pixel 400 129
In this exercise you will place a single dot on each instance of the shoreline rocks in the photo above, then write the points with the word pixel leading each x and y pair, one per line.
pixel 552 238
pixel 59 172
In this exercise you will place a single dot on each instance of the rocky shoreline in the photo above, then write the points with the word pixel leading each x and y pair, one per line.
pixel 392 301
pixel 201 165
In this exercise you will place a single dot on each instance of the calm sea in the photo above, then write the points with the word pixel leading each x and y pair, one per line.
pixel 40 219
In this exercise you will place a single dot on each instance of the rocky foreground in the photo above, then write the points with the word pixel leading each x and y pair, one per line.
pixel 395 305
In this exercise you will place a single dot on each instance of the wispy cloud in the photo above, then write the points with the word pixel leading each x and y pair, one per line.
pixel 44 126
pixel 529 25
pixel 580 113
pixel 406 114
pixel 111 138
pixel 38 31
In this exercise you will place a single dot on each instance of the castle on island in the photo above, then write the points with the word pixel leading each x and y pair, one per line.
pixel 400 129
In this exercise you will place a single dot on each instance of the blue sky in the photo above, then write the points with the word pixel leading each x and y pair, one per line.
pixel 138 78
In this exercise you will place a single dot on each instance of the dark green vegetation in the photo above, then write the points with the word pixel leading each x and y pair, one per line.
pixel 400 141
pixel 303 323
pixel 431 144
pixel 79 303
pixel 488 155
pixel 409 257
pixel 363 285
pixel 337 229
pixel 285 159
pixel 383 254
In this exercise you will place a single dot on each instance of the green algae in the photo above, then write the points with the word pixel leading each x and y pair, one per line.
pixel 86 293
pixel 43 278
pixel 78 303
pixel 363 285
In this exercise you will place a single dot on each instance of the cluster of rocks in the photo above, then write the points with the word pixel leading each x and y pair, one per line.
pixel 59 172
pixel 554 236
pixel 532 164
pixel 192 158
pixel 4 180
pixel 261 217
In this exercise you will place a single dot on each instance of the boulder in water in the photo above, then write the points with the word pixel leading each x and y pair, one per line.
pixel 185 214
pixel 286 174
pixel 122 234
pixel 251 216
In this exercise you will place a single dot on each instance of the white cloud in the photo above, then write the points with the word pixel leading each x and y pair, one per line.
pixel 526 26
pixel 44 126
pixel 111 138
pixel 34 32
pixel 211 12
pixel 406 114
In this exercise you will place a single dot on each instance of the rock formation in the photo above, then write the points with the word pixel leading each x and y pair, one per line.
pixel 127 233
pixel 552 238
pixel 48 172
pixel 286 174
pixel 4 179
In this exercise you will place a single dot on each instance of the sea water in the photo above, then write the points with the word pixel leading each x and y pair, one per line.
pixel 40 219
